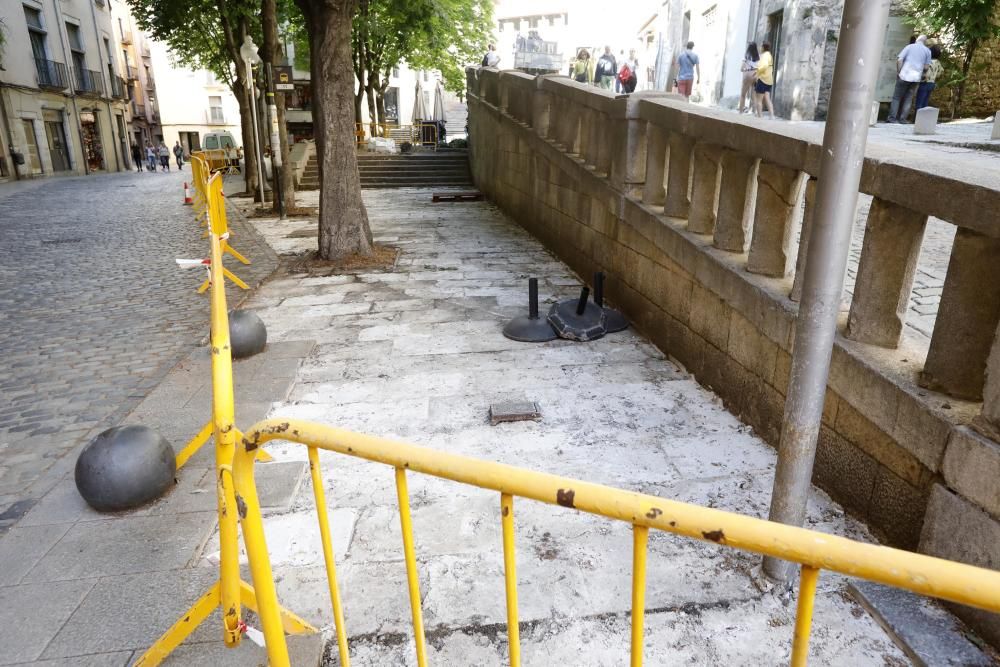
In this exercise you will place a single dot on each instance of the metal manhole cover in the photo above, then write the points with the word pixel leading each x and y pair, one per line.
pixel 514 411
pixel 59 241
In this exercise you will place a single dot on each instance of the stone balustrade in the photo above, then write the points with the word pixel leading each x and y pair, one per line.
pixel 701 220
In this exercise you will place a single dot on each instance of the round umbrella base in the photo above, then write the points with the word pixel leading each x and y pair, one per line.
pixel 614 320
pixel 527 329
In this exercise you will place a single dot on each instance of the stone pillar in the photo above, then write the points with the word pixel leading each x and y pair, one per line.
pixel 590 132
pixel 776 218
pixel 604 141
pixel 807 221
pixel 653 192
pixel 705 188
pixel 541 104
pixel 678 171
pixel 967 318
pixel 737 201
pixel 885 274
pixel 628 149
pixel 991 389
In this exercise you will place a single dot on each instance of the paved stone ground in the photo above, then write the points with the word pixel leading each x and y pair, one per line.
pixel 93 313
pixel 416 353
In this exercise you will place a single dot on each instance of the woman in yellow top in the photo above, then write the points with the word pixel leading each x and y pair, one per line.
pixel 581 67
pixel 765 81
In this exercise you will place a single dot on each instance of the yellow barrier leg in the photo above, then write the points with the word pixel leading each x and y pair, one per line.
pixel 640 538
pixel 228 248
pixel 234 278
pixel 180 630
pixel 510 578
pixel 328 557
pixel 803 615
pixel 413 579
pixel 290 623
pixel 194 444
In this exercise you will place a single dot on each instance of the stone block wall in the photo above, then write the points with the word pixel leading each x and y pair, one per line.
pixel 703 262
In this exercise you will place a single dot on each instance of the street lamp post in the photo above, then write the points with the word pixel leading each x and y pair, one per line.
pixel 250 58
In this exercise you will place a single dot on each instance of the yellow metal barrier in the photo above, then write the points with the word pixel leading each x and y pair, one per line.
pixel 813 550
pixel 229 593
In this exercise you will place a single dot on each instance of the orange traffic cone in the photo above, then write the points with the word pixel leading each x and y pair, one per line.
pixel 187 196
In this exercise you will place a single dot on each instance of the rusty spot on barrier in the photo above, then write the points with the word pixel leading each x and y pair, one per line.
pixel 653 513
pixel 232 611
pixel 565 497
pixel 505 510
pixel 715 536
pixel 241 506
pixel 673 524
pixel 226 429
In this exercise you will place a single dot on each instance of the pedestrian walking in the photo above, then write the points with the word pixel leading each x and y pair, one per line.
pixel 164 156
pixel 137 157
pixel 492 58
pixel 179 155
pixel 911 63
pixel 749 70
pixel 929 82
pixel 687 65
pixel 765 81
pixel 628 75
pixel 607 69
pixel 580 68
pixel 150 157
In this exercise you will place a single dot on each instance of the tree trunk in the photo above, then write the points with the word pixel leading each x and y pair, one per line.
pixel 343 220
pixel 269 25
pixel 372 117
pixel 956 101
pixel 359 96
pixel 380 104
pixel 246 127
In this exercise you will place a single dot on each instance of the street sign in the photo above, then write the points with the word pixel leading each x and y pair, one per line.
pixel 283 78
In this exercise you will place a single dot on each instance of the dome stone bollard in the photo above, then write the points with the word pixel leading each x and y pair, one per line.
pixel 124 467
pixel 247 334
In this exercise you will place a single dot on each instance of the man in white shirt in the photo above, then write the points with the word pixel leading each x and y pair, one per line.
pixel 492 58
pixel 911 63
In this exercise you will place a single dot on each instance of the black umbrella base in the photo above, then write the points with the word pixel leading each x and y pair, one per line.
pixel 526 329
pixel 614 320
pixel 588 325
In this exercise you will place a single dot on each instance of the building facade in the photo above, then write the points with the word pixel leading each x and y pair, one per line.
pixel 804 35
pixel 192 103
pixel 134 54
pixel 63 91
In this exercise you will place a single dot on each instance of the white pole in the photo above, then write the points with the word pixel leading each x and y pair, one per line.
pixel 256 137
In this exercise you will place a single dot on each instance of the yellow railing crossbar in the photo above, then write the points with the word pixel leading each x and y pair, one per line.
pixel 814 550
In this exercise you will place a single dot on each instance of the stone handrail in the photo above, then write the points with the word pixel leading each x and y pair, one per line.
pixel 751 185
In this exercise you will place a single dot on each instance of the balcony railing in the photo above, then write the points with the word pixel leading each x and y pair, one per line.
pixel 126 36
pixel 131 72
pixel 138 110
pixel 89 82
pixel 150 85
pixel 119 88
pixel 51 74
pixel 215 116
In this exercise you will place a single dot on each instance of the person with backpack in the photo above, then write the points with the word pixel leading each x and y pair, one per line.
pixel 628 75
pixel 687 65
pixel 164 153
pixel 607 69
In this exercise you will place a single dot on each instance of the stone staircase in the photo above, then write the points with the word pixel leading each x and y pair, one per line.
pixel 445 167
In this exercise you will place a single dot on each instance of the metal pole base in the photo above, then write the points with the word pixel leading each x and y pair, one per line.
pixel 578 319
pixel 526 329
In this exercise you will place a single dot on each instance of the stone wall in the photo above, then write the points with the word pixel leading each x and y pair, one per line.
pixel 982 94
pixel 694 214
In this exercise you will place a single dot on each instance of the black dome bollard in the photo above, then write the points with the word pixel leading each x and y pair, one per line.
pixel 530 328
pixel 614 320
pixel 124 467
pixel 247 333
pixel 578 319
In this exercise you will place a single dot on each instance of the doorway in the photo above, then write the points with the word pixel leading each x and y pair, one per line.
pixel 123 140
pixel 55 134
pixel 93 152
pixel 774 27
pixel 33 159
pixel 190 141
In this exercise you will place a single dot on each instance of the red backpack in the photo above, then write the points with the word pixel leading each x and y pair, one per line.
pixel 625 73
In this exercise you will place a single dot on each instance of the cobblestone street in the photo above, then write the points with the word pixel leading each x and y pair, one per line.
pixel 93 313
